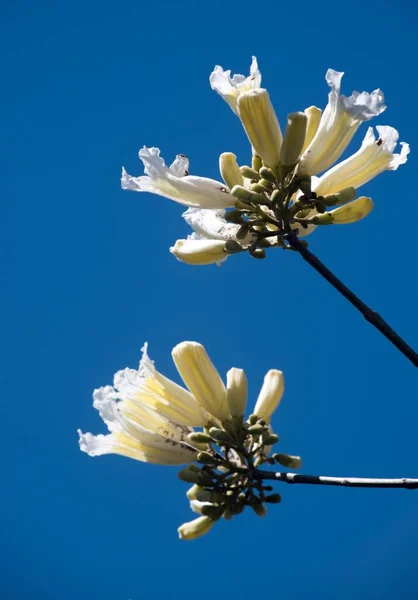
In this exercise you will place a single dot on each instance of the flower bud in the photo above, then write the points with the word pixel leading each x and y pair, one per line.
pixel 292 462
pixel 260 189
pixel 247 196
pixel 342 197
pixel 324 219
pixel 232 247
pixel 230 170
pixel 219 435
pixel 206 458
pixel 261 125
pixel 256 162
pixel 294 139
pixel 259 509
pixel 271 439
pixel 270 395
pixel 190 474
pixel 237 391
pixel 209 496
pixel 249 173
pixel 196 528
pixel 273 498
pixel 256 429
pixel 214 512
pixel 199 437
pixel 353 211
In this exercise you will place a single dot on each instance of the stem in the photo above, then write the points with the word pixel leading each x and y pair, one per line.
pixel 370 315
pixel 361 482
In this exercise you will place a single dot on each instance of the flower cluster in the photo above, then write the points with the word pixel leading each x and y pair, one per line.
pixel 290 187
pixel 155 420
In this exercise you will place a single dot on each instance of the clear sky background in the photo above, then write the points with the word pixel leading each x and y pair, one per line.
pixel 88 278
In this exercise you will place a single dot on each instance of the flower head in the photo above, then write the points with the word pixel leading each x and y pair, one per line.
pixel 175 183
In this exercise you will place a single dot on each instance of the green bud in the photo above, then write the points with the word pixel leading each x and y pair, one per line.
pixel 325 219
pixel 259 509
pixel 271 439
pixel 272 498
pixel 206 458
pixel 260 189
pixel 265 183
pixel 256 429
pixel 267 174
pixel 219 435
pixel 213 512
pixel 249 173
pixel 190 475
pixel 253 419
pixel 232 247
pixel 346 195
pixel 209 496
pixel 230 170
pixel 292 462
pixel 233 216
pixel 256 162
pixel 204 479
pixel 275 196
pixel 199 437
pixel 294 139
pixel 320 207
pixel 243 232
pixel 304 183
pixel 258 253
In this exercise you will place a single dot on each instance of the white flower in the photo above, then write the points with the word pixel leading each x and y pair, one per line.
pixel 199 251
pixel 231 87
pixel 174 182
pixel 237 390
pixel 206 244
pixel 195 529
pixel 374 157
pixel 201 377
pixel 270 394
pixel 261 125
pixel 136 432
pixel 339 122
pixel 149 416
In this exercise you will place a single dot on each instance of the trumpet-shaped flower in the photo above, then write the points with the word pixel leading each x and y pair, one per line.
pixel 230 88
pixel 374 157
pixel 201 377
pixel 136 432
pixel 195 251
pixel 196 528
pixel 270 394
pixel 339 122
pixel 175 183
pixel 206 244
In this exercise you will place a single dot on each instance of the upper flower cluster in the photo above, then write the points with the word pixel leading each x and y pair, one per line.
pixel 281 191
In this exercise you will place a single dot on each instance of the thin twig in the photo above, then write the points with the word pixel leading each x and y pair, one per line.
pixel 370 315
pixel 361 482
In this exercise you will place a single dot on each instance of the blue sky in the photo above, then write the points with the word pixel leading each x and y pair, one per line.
pixel 88 278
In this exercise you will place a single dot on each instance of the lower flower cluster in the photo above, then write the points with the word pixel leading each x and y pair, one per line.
pixel 153 419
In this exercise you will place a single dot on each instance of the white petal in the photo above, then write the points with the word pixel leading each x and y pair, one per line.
pixel 340 120
pixel 374 157
pixel 270 394
pixel 210 224
pixel 171 183
pixel 231 87
pixel 201 377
